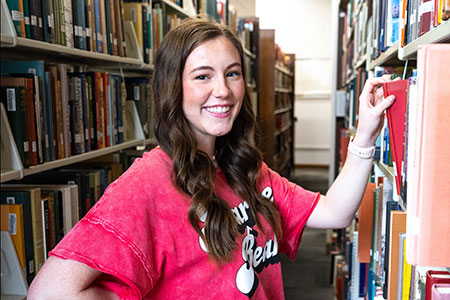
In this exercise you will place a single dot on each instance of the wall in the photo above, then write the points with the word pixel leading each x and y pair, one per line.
pixel 304 27
pixel 244 8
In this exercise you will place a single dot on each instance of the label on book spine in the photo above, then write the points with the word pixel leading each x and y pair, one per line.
pixel 88 32
pixel 27 20
pixel 33 20
pixel 51 22
pixel 11 99
pixel 40 23
pixel 17 15
pixel 12 224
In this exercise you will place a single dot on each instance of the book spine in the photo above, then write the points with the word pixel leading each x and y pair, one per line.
pixel 25 131
pixel 31 123
pixel 62 21
pixel 113 34
pixel 85 116
pixel 57 21
pixel 27 18
pixel 75 22
pixel 107 115
pixel 68 23
pixel 100 112
pixel 59 125
pixel 45 226
pixel 98 32
pixel 103 25
pixel 108 27
pixel 145 41
pixel 17 17
pixel 87 23
pixel 93 96
pixel 49 113
pixel 82 24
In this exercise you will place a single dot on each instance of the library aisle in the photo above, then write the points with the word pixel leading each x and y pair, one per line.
pixel 308 276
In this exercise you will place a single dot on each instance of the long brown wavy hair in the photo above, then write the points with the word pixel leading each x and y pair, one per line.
pixel 194 171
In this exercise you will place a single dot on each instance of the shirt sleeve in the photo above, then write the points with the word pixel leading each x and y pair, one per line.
pixel 115 255
pixel 295 205
pixel 115 239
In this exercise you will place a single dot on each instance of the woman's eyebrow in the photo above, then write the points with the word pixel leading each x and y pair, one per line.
pixel 200 68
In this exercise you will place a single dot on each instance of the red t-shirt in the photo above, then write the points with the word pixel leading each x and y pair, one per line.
pixel 139 236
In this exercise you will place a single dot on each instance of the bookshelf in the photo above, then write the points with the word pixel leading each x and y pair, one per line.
pixel 276 104
pixel 361 50
pixel 248 32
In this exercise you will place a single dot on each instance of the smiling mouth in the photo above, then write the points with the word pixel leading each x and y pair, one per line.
pixel 218 109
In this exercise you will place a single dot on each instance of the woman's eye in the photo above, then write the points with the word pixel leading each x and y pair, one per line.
pixel 233 74
pixel 201 77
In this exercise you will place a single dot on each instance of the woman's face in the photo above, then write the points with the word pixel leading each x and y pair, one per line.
pixel 213 88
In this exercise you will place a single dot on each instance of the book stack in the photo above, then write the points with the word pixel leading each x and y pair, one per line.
pixel 55 112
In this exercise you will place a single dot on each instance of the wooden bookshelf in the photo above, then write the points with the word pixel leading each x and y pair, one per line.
pixel 276 111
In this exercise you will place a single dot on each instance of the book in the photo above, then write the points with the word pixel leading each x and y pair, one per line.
pixel 435 277
pixel 14 100
pixel 396 122
pixel 365 219
pixel 57 114
pixel 98 29
pixel 104 31
pixel 76 24
pixel 26 81
pixel 68 23
pixel 23 199
pixel 428 222
pixel 16 10
pixel 397 226
pixel 35 67
pixel 36 26
pixel 47 107
pixel 62 71
pixel 426 17
pixel 32 199
pixel 391 206
pixel 12 221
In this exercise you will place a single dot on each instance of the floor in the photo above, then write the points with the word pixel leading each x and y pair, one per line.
pixel 308 276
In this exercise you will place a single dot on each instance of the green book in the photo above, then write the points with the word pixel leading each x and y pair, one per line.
pixel 14 100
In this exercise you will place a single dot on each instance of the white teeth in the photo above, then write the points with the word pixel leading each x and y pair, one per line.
pixel 218 109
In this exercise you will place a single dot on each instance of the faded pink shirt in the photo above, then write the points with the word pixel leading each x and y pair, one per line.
pixel 139 235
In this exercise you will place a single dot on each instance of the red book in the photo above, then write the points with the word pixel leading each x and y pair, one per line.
pixel 426 17
pixel 434 277
pixel 396 123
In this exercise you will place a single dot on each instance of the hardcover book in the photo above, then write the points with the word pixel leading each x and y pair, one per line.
pixel 396 122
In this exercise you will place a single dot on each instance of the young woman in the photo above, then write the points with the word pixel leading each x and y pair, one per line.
pixel 201 216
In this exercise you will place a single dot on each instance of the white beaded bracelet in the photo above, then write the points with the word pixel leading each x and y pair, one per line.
pixel 359 151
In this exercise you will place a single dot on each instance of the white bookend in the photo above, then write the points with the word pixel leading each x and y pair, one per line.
pixel 13 280
pixel 11 164
pixel 133 48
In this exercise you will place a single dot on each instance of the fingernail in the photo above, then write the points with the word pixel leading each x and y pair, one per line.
pixel 391 98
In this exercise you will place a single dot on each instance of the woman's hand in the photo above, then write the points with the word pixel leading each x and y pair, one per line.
pixel 371 111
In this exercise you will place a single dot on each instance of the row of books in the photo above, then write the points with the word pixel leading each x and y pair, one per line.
pixel 378 264
pixel 93 25
pixel 39 210
pixel 371 27
pixel 56 113
pixel 421 16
